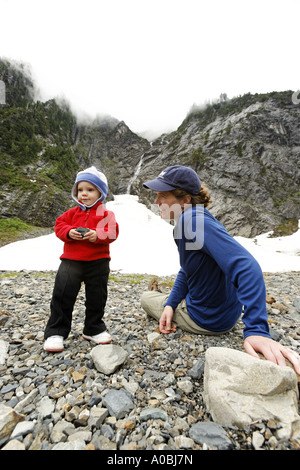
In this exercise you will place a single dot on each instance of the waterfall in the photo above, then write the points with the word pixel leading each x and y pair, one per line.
pixel 135 175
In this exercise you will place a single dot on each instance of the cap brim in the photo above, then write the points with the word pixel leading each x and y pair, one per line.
pixel 158 185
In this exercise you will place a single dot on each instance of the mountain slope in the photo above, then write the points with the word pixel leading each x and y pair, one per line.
pixel 43 146
pixel 246 150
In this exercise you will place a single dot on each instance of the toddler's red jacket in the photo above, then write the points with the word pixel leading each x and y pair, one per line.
pixel 96 218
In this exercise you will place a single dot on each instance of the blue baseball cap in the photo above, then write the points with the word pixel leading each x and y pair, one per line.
pixel 176 177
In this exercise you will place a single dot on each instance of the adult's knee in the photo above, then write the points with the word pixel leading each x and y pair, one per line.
pixel 145 300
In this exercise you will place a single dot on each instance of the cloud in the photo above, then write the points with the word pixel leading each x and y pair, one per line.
pixel 146 62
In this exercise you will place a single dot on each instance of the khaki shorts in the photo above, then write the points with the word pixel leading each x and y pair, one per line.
pixel 153 304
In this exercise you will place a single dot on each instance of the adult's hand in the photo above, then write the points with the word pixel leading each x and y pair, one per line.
pixel 165 322
pixel 272 351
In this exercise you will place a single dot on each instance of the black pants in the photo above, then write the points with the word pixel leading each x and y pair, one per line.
pixel 68 281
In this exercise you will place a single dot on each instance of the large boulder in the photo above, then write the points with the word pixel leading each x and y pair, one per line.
pixel 239 389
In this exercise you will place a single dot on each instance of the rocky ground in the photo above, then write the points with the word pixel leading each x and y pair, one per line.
pixel 62 396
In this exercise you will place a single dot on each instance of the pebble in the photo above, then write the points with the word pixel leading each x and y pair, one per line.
pixel 152 400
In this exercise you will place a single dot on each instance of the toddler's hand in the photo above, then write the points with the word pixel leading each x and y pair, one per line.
pixel 91 236
pixel 75 235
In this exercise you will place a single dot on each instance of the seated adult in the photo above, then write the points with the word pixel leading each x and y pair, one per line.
pixel 219 280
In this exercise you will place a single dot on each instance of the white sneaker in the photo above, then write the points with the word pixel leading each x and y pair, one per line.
pixel 101 338
pixel 54 344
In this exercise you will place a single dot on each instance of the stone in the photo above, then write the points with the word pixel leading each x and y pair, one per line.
pixel 211 434
pixel 80 435
pixel 77 376
pixel 60 431
pixel 239 389
pixel 153 413
pixel 131 387
pixel 8 420
pixel 82 230
pixel 26 400
pixel 23 428
pixel 257 440
pixel 108 357
pixel 14 444
pixel 153 336
pixel 3 351
pixel 296 304
pixel 151 376
pixel 45 407
pixel 185 386
pixel 97 416
pixel 197 370
pixel 106 444
pixel 118 403
pixel 183 442
pixel 75 445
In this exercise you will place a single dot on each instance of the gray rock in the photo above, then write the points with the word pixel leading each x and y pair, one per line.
pixel 76 445
pixel 77 389
pixel 60 431
pixel 211 434
pixel 97 416
pixel 296 304
pixel 257 440
pixel 3 351
pixel 14 444
pixel 8 388
pixel 23 428
pixel 45 407
pixel 8 420
pixel 197 370
pixel 108 357
pixel 153 413
pixel 185 386
pixel 239 389
pixel 118 402
pixel 80 435
pixel 26 400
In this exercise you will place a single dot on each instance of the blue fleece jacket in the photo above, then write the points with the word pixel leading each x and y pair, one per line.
pixel 217 277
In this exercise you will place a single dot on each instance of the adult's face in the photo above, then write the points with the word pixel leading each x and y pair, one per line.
pixel 169 205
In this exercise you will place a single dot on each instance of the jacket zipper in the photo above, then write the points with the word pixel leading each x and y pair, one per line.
pixel 87 217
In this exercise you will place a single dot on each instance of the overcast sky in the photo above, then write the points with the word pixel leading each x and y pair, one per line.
pixel 146 62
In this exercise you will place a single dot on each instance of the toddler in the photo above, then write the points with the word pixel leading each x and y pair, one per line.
pixel 86 230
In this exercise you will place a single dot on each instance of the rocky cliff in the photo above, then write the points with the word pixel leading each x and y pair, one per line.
pixel 246 150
